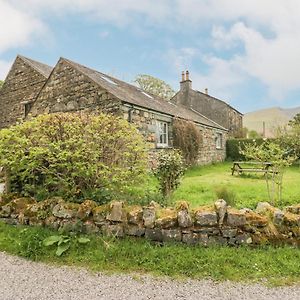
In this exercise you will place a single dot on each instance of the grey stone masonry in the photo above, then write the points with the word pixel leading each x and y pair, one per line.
pixel 68 90
pixel 200 226
pixel 21 85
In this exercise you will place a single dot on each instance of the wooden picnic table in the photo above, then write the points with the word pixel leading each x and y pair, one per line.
pixel 252 166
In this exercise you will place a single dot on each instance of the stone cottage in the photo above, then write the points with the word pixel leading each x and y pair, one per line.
pixel 211 107
pixel 71 87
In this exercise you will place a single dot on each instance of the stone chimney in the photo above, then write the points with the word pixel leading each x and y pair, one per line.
pixel 186 83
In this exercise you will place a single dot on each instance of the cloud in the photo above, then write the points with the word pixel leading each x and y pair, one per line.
pixel 180 59
pixel 4 68
pixel 273 61
pixel 263 37
pixel 17 27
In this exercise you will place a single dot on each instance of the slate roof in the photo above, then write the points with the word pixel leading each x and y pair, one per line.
pixel 131 94
pixel 43 69
pixel 203 95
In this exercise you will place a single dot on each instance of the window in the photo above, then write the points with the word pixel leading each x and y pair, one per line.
pixel 27 107
pixel 219 140
pixel 162 134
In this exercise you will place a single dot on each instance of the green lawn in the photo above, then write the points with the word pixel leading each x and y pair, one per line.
pixel 200 183
pixel 269 265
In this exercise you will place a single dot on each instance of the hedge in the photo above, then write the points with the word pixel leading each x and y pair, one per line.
pixel 232 147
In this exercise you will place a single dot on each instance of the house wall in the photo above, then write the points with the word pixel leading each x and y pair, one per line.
pixel 212 108
pixel 146 122
pixel 22 84
pixel 209 153
pixel 69 90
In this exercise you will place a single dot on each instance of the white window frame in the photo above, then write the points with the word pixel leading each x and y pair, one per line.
pixel 219 140
pixel 162 134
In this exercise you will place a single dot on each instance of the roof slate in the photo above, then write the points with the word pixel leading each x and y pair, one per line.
pixel 131 94
pixel 43 69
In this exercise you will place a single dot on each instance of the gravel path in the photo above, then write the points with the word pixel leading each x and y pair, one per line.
pixel 21 279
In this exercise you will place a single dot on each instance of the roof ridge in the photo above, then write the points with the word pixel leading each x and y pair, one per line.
pixel 126 92
pixel 40 67
pixel 204 94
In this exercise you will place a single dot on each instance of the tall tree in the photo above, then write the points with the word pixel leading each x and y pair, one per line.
pixel 154 86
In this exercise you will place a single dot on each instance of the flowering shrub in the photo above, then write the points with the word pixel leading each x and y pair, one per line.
pixel 169 170
pixel 73 155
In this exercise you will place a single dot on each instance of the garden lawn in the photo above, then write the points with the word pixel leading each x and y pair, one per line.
pixel 199 186
pixel 269 265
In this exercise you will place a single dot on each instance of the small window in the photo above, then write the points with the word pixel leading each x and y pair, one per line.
pixel 219 140
pixel 162 134
pixel 27 107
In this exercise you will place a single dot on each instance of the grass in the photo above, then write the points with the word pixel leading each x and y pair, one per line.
pixel 269 265
pixel 200 186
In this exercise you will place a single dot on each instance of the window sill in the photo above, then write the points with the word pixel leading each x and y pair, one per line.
pixel 163 146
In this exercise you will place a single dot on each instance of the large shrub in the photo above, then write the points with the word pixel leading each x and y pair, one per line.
pixel 169 170
pixel 73 155
pixel 188 139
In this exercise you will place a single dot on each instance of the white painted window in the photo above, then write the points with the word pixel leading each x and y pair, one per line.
pixel 162 134
pixel 219 140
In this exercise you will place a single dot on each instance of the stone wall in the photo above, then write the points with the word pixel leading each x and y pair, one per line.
pixel 22 84
pixel 212 108
pixel 69 90
pixel 146 122
pixel 207 225
pixel 209 153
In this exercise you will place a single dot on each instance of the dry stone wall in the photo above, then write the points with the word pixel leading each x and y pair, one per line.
pixel 207 225
pixel 21 85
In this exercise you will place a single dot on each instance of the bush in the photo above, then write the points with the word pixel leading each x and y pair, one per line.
pixel 187 138
pixel 169 170
pixel 73 156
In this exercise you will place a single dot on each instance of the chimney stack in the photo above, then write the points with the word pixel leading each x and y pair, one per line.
pixel 185 83
pixel 206 91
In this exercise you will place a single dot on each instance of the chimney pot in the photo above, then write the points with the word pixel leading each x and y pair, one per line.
pixel 187 75
pixel 182 76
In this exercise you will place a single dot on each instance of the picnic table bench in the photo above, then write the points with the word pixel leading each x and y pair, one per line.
pixel 252 166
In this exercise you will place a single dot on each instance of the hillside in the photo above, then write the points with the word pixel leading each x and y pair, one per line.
pixel 273 117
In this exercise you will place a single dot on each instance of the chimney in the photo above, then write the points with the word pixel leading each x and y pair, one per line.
pixel 186 83
pixel 182 76
pixel 206 91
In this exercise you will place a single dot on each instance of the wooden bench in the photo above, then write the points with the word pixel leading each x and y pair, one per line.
pixel 252 167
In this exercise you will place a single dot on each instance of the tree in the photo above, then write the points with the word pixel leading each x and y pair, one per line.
pixel 280 158
pixel 289 136
pixel 155 86
pixel 295 121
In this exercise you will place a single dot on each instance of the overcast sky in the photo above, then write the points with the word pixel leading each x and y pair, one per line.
pixel 246 52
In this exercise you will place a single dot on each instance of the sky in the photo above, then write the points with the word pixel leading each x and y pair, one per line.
pixel 246 52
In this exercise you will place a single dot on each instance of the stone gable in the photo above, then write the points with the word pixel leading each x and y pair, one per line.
pixel 21 85
pixel 67 90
